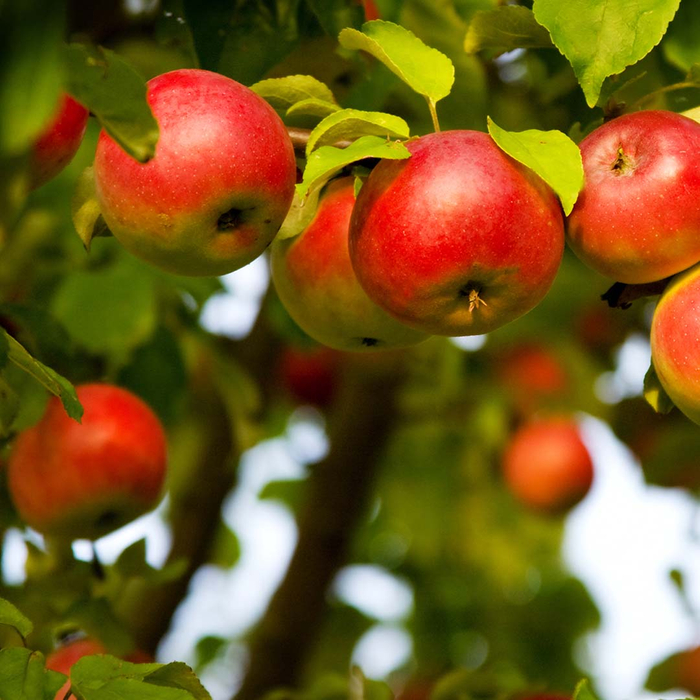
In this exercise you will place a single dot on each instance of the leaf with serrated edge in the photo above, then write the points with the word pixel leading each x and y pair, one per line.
pixel 351 123
pixel 327 160
pixel 654 393
pixel 551 154
pixel 10 615
pixel 313 108
pixel 284 92
pixel 504 29
pixel 601 38
pixel 48 378
pixel 116 94
pixel 426 70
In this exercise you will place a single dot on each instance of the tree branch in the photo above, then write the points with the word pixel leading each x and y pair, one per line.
pixel 621 296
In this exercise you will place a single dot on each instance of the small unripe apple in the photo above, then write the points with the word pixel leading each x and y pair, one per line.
pixel 58 142
pixel 675 352
pixel 82 480
pixel 63 658
pixel 637 218
pixel 310 375
pixel 547 466
pixel 316 282
pixel 219 186
pixel 458 239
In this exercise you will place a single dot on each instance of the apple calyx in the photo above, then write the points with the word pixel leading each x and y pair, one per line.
pixel 471 293
pixel 621 165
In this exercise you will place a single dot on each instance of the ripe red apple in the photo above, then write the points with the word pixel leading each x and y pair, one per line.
pixel 675 352
pixel 58 142
pixel 547 466
pixel 638 217
pixel 316 283
pixel 459 239
pixel 76 480
pixel 219 186
pixel 63 658
pixel 310 375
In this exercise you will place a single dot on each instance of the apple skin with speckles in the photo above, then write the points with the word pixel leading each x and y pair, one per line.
pixel 637 218
pixel 675 350
pixel 547 466
pixel 219 186
pixel 82 480
pixel 58 142
pixel 316 283
pixel 459 239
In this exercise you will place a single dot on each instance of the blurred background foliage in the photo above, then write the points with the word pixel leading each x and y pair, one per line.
pixel 416 437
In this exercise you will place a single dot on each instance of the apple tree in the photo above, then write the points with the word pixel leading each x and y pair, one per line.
pixel 399 179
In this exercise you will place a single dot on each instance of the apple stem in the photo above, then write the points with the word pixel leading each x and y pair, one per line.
pixel 433 115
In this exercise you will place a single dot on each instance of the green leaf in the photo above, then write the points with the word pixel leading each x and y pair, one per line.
pixel 352 123
pixel 178 675
pixel 50 380
pixel 655 394
pixel 334 15
pixel 85 209
pixel 31 69
pixel 4 349
pixel 551 154
pixel 282 93
pixel 11 616
pixel 602 37
pixel 424 69
pixel 327 160
pixel 207 650
pixel 504 29
pixel 583 691
pixel 680 46
pixel 289 492
pixel 226 548
pixel 9 407
pixel 108 311
pixel 24 677
pixel 116 94
pixel 313 108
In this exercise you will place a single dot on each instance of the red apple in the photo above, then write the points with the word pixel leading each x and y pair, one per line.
pixel 638 217
pixel 83 480
pixel 459 239
pixel 547 466
pixel 58 142
pixel 219 186
pixel 310 375
pixel 675 351
pixel 63 658
pixel 316 283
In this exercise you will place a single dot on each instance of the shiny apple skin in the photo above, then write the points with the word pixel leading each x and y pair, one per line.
pixel 458 218
pixel 82 480
pixel 316 282
pixel 63 658
pixel 219 186
pixel 637 218
pixel 675 342
pixel 547 466
pixel 58 142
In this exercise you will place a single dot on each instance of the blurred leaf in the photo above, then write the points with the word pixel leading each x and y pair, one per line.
pixel 9 406
pixel 327 160
pixel 426 70
pixel 680 45
pixel 362 688
pixel 312 108
pixel 207 650
pixel 4 350
pixel 31 69
pixel 226 548
pixel 85 209
pixel 97 619
pixel 50 380
pixel 334 15
pixel 352 123
pixel 289 492
pixel 601 38
pixel 283 93
pixel 655 394
pixel 14 189
pixel 551 154
pixel 504 29
pixel 10 615
pixel 208 23
pixel 583 691
pixel 108 311
pixel 116 94
pixel 24 677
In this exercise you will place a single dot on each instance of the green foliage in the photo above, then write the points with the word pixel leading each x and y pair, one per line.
pixel 283 93
pixel 655 394
pixel 23 676
pixel 10 615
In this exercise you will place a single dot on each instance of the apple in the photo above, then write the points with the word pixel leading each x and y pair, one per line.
pixel 459 239
pixel 63 658
pixel 637 218
pixel 219 186
pixel 316 282
pixel 82 480
pixel 547 466
pixel 688 670
pixel 58 142
pixel 310 375
pixel 675 354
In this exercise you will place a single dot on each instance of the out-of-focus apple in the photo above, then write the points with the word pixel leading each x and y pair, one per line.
pixel 310 375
